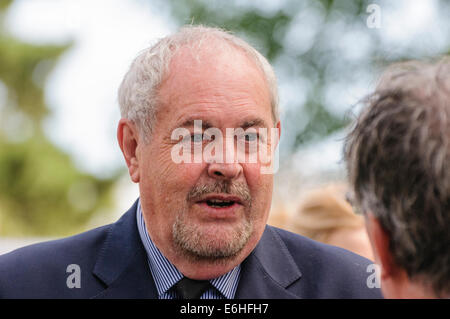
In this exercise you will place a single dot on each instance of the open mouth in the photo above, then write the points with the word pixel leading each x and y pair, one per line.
pixel 217 203
pixel 220 201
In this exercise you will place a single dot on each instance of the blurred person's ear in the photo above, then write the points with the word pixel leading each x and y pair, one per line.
pixel 392 276
pixel 128 138
pixel 379 240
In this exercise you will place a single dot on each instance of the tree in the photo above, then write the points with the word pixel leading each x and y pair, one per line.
pixel 41 191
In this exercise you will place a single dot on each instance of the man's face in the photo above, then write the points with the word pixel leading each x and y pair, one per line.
pixel 206 210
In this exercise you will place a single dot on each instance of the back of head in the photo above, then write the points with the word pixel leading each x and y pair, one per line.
pixel 398 157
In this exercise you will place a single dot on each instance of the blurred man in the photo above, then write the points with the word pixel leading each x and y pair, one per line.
pixel 198 229
pixel 398 157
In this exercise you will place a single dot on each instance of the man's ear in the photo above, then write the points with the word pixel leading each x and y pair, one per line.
pixel 279 132
pixel 379 239
pixel 128 138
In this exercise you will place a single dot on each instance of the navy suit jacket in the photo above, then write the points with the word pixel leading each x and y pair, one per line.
pixel 113 264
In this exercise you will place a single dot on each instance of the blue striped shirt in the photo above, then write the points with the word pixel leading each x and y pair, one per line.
pixel 165 274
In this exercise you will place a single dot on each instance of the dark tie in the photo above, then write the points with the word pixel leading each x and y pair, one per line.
pixel 190 288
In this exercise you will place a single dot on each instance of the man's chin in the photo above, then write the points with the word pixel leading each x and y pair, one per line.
pixel 212 242
pixel 220 216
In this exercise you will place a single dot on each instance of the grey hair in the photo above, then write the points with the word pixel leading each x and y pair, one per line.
pixel 398 161
pixel 138 92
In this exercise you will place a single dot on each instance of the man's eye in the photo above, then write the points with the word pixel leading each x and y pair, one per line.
pixel 197 138
pixel 251 137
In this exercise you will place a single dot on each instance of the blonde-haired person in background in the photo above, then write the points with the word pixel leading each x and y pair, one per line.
pixel 325 215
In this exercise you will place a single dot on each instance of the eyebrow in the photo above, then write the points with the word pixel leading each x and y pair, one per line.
pixel 206 124
pixel 190 122
pixel 254 122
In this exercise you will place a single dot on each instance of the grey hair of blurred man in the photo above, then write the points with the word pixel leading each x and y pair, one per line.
pixel 398 160
pixel 138 92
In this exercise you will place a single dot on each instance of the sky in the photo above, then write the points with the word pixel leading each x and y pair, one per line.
pixel 108 34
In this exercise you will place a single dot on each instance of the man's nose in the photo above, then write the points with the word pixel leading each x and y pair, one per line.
pixel 224 170
pixel 226 166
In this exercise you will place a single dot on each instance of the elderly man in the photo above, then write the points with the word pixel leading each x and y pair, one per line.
pixel 398 157
pixel 198 229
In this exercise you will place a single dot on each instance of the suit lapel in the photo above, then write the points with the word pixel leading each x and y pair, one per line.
pixel 122 265
pixel 269 270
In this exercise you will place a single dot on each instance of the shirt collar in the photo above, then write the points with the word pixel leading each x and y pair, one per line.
pixel 165 274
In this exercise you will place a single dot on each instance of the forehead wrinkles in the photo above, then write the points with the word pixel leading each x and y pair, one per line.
pixel 191 71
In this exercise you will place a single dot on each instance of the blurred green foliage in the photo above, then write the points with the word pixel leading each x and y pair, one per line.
pixel 42 193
